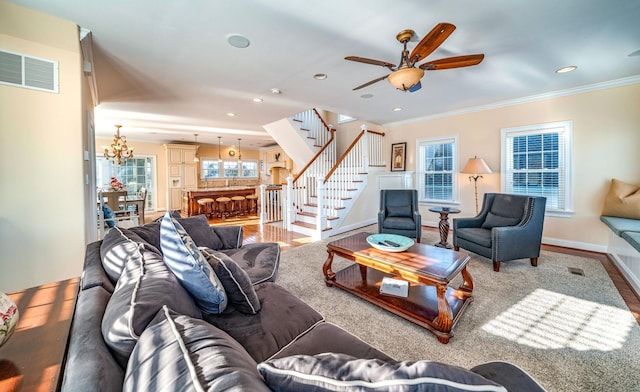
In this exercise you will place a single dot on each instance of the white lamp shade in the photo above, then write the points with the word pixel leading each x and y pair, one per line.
pixel 476 166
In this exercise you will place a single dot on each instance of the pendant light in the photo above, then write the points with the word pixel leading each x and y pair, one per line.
pixel 195 156
pixel 219 156
pixel 239 153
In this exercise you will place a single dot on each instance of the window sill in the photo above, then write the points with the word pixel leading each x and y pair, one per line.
pixel 559 213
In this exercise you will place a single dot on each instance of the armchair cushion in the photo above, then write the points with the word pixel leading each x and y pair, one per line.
pixel 493 220
pixel 476 235
pixel 399 223
pixel 401 211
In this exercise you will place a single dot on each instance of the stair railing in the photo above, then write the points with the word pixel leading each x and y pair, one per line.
pixel 317 128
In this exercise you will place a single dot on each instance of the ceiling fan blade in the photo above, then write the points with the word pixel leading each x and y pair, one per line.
pixel 371 82
pixel 453 62
pixel 370 61
pixel 415 87
pixel 431 41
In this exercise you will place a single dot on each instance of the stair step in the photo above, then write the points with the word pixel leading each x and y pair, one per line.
pixel 313 215
pixel 315 205
pixel 295 119
pixel 305 129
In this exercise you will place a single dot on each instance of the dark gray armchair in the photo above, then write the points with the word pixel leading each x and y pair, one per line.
pixel 508 227
pixel 399 213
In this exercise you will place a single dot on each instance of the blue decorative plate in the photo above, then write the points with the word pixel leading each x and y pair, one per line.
pixel 388 242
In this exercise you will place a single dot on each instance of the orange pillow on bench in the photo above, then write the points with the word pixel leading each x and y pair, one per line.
pixel 623 200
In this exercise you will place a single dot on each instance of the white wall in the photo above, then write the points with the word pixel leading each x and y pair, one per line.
pixel 606 140
pixel 42 234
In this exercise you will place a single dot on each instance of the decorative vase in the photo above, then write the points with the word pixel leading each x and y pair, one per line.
pixel 8 317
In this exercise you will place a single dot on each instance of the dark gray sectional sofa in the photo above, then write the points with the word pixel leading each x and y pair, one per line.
pixel 136 328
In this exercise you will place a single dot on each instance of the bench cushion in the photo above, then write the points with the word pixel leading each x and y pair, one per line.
pixel 633 238
pixel 620 225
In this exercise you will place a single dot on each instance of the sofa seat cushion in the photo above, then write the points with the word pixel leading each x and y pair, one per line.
pixel 620 225
pixel 327 337
pixel 339 372
pixel 145 285
pixel 282 319
pixel 476 235
pixel 236 282
pixel 180 353
pixel 508 375
pixel 116 246
pixel 259 260
pixel 89 363
pixel 190 266
pixel 632 238
pixel 399 223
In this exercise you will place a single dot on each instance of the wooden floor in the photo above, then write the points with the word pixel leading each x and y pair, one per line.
pixel 254 232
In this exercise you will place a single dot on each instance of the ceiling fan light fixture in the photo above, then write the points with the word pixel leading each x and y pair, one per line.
pixel 567 69
pixel 405 78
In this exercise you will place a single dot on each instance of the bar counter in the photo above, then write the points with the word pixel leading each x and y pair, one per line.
pixel 190 196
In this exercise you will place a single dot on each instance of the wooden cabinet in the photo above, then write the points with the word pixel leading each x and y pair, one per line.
pixel 182 170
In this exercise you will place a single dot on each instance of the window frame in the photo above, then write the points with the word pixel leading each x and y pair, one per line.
pixel 420 157
pixel 564 129
pixel 221 171
pixel 113 168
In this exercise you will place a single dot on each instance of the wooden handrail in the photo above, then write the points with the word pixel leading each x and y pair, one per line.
pixel 353 143
pixel 317 154
pixel 326 127
pixel 376 132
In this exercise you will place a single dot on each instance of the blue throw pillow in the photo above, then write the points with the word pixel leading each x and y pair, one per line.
pixel 191 267
pixel 109 216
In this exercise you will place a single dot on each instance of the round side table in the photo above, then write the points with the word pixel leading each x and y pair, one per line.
pixel 444 224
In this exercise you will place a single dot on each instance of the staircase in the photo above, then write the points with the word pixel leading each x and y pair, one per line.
pixel 317 201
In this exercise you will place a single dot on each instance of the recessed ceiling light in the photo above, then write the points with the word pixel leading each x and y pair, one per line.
pixel 567 69
pixel 320 76
pixel 397 109
pixel 633 54
pixel 366 96
pixel 275 91
pixel 238 41
pixel 231 114
pixel 258 100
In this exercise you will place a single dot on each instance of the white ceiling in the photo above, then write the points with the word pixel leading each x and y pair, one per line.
pixel 165 70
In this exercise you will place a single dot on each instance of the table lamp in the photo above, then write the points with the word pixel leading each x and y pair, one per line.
pixel 476 166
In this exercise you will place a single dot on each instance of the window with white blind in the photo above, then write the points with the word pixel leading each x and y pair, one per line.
pixel 436 170
pixel 536 161
pixel 211 169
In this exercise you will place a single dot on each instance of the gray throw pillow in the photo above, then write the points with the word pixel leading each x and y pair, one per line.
pixel 145 285
pixel 190 266
pixel 341 372
pixel 492 220
pixel 235 280
pixel 180 353
pixel 196 226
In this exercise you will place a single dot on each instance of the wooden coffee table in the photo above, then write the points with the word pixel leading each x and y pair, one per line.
pixel 431 303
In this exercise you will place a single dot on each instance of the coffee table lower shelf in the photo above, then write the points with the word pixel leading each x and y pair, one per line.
pixel 420 306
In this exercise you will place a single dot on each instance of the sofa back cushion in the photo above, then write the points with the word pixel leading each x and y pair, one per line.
pixel 177 352
pixel 117 245
pixel 191 267
pixel 196 226
pixel 145 285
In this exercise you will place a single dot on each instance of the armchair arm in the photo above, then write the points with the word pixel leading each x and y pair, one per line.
pixel 231 236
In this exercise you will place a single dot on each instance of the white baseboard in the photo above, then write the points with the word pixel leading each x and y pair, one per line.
pixel 631 278
pixel 574 244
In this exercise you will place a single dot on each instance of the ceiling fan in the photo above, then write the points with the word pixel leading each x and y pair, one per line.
pixel 406 76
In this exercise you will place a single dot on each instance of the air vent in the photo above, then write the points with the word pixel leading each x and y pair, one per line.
pixel 28 72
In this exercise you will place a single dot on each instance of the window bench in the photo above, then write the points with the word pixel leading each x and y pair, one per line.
pixel 624 246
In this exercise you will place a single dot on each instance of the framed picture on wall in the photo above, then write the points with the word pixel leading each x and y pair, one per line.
pixel 398 156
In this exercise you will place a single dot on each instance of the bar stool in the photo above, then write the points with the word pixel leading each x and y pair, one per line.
pixel 237 205
pixel 223 206
pixel 206 204
pixel 252 203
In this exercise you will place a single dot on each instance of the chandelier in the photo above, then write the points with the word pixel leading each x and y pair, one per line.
pixel 119 150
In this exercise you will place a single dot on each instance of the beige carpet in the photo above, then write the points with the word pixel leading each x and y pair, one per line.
pixel 572 333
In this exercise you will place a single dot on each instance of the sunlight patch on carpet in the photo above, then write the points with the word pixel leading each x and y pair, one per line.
pixel 548 320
